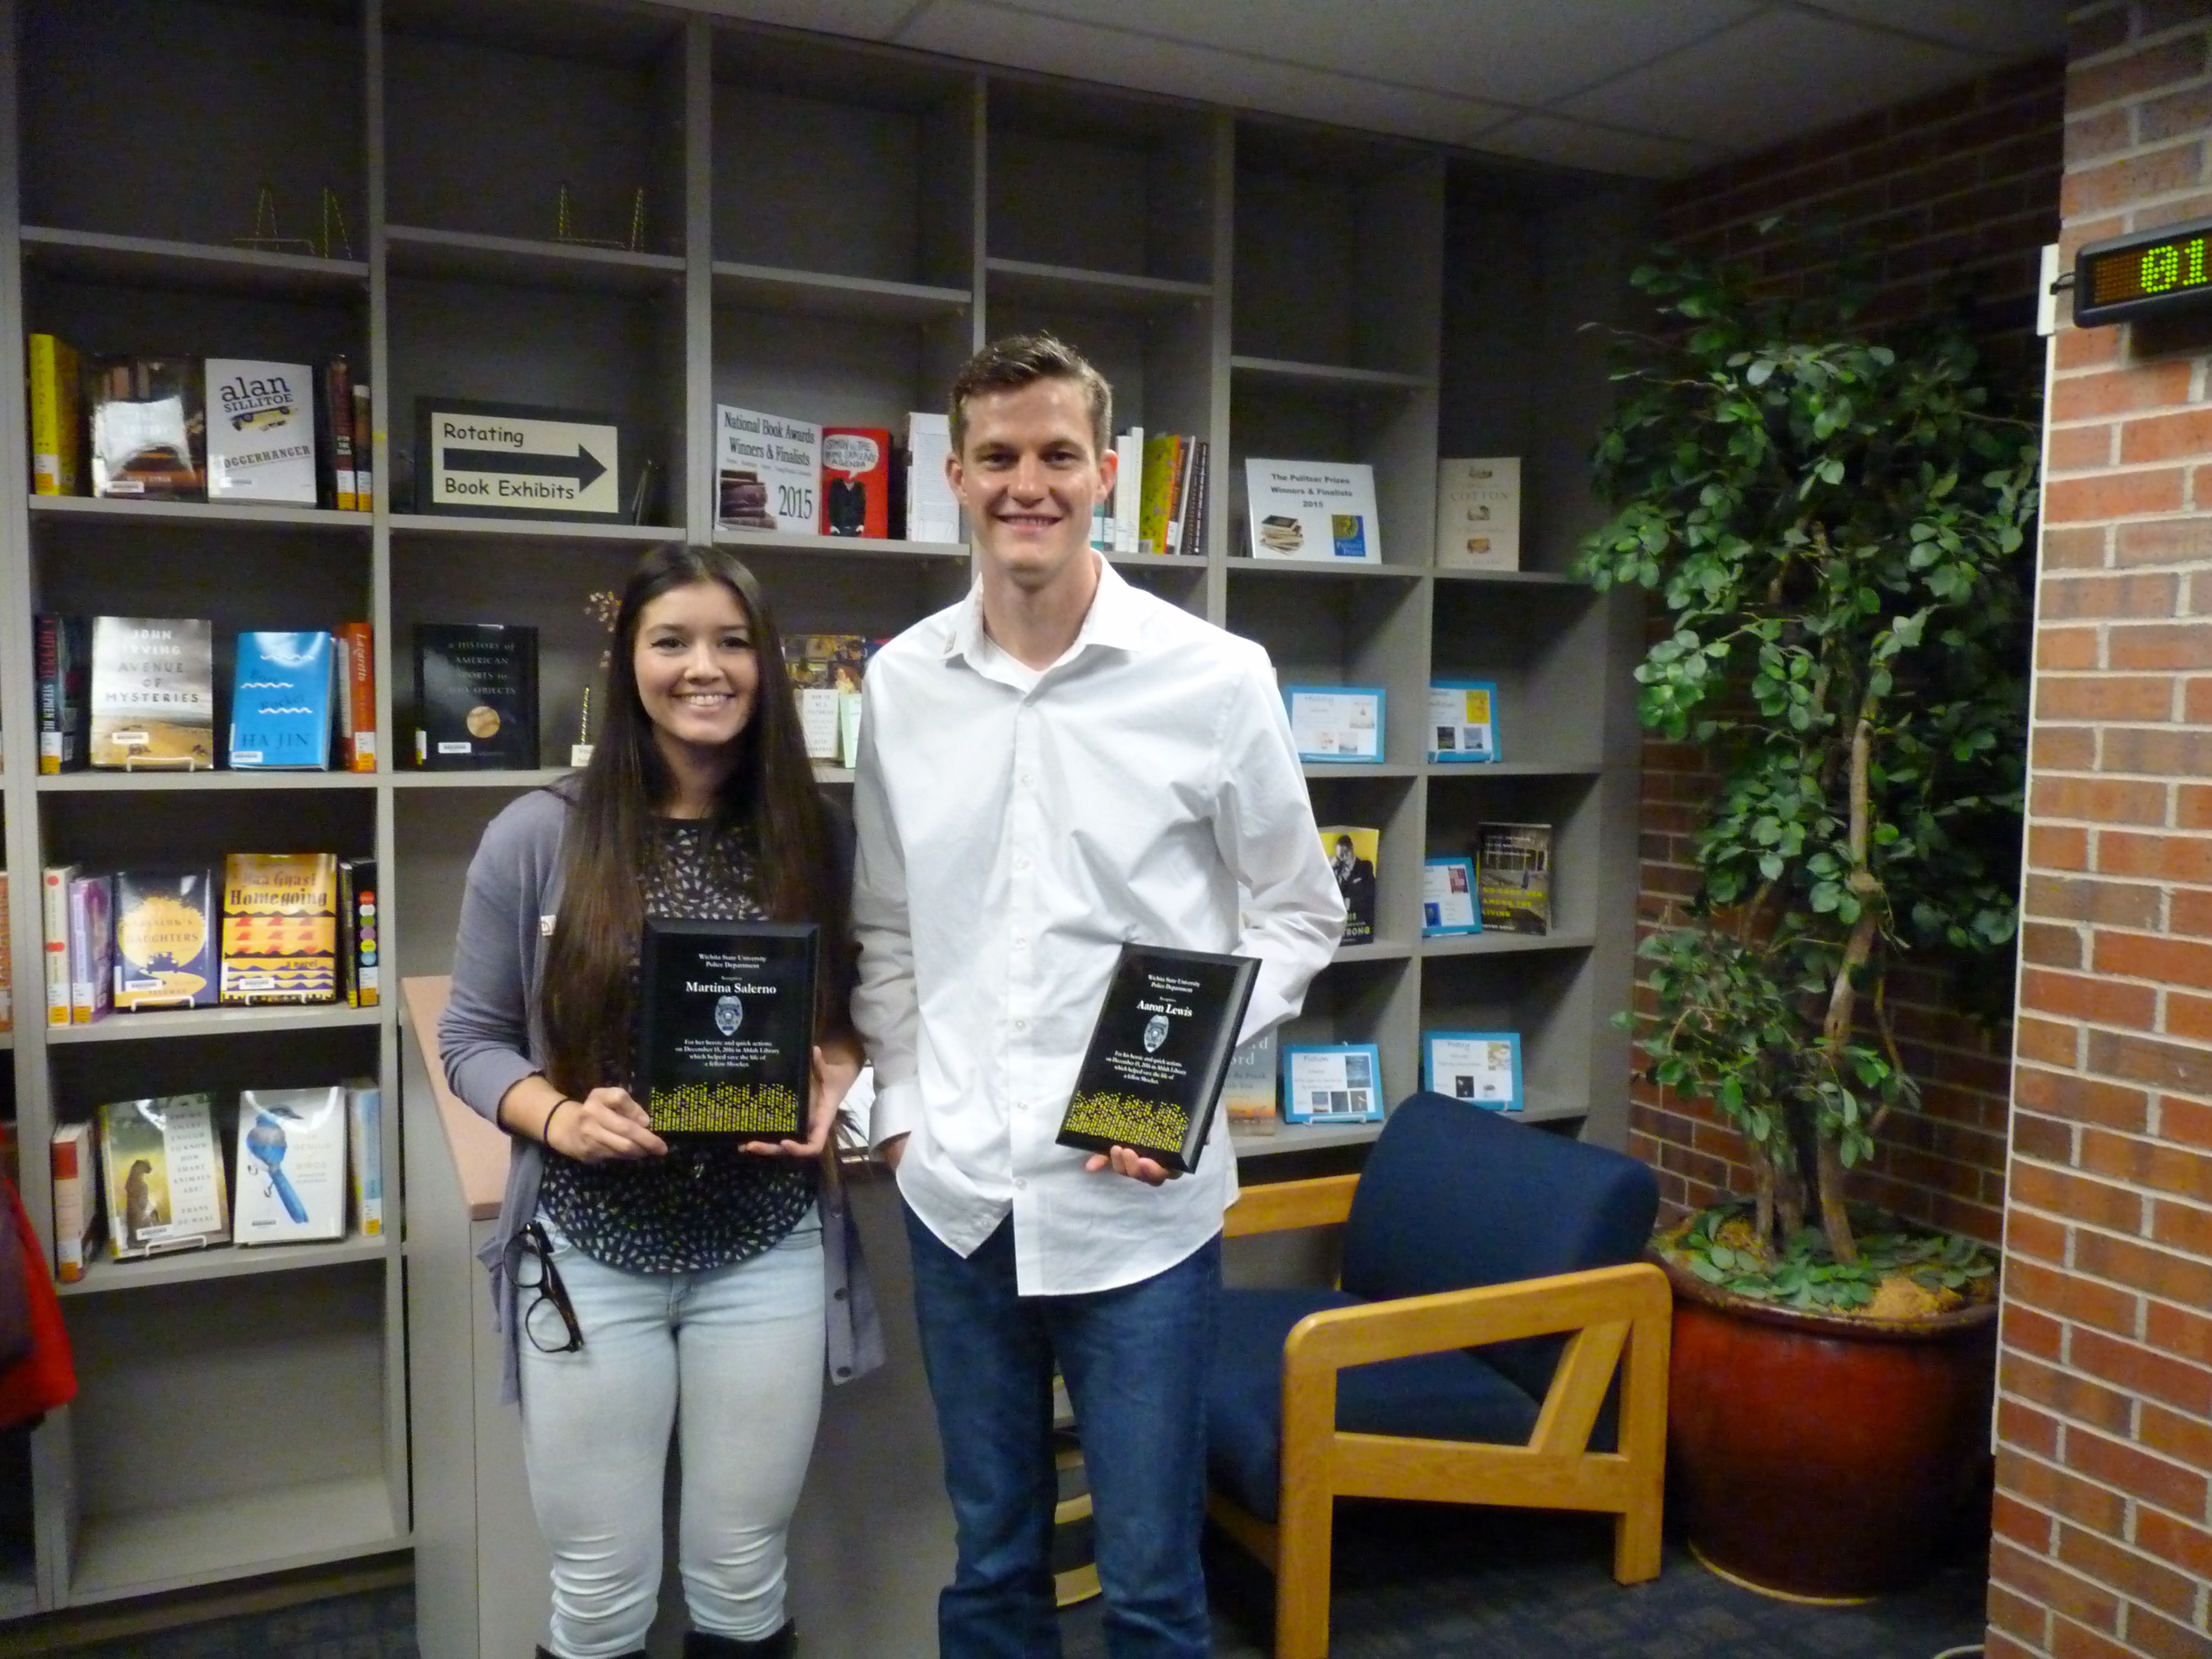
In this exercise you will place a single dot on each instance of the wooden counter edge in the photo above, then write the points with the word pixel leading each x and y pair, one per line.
pixel 479 1149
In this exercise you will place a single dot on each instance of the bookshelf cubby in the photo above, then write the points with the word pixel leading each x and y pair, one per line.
pixel 829 228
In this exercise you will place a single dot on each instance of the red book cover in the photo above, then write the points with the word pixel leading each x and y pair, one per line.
pixel 357 699
pixel 856 481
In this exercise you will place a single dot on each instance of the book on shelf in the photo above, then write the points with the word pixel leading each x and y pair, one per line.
pixel 856 481
pixel 1336 722
pixel 768 471
pixel 63 648
pixel 280 928
pixel 1482 1066
pixel 7 960
pixel 1479 513
pixel 364 449
pixel 1513 877
pixel 54 931
pixel 475 696
pixel 161 1165
pixel 260 431
pixel 91 948
pixel 148 429
pixel 1463 721
pixel 335 481
pixel 1354 852
pixel 1188 531
pixel 1322 510
pixel 153 693
pixel 353 668
pixel 1332 1083
pixel 57 416
pixel 1448 904
pixel 365 1152
pixel 825 671
pixel 291 1168
pixel 1157 500
pixel 932 511
pixel 359 933
pixel 280 706
pixel 72 1156
pixel 1248 1090
pixel 1151 1077
pixel 1128 490
pixel 165 940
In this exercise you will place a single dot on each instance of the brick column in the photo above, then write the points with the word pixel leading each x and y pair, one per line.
pixel 2103 1544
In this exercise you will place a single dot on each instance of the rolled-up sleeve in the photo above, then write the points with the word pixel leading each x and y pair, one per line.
pixel 885 1006
pixel 1293 912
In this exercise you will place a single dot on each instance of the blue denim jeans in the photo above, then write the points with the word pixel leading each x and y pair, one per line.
pixel 1134 1359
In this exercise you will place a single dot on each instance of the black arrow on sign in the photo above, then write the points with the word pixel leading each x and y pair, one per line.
pixel 583 466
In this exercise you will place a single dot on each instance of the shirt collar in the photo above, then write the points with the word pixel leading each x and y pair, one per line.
pixel 1115 619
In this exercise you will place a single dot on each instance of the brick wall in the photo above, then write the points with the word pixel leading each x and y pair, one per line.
pixel 1961 188
pixel 2103 1537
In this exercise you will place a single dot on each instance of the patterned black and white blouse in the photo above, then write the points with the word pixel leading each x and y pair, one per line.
pixel 707 1204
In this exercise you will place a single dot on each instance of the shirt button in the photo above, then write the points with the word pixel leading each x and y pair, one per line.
pixel 1021 1025
pixel 1021 944
pixel 1021 1185
pixel 1027 780
pixel 1021 864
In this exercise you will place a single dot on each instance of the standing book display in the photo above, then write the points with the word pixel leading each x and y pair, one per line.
pixel 1159 1053
pixel 726 1027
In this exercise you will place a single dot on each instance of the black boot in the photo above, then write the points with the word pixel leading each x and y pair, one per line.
pixel 698 1644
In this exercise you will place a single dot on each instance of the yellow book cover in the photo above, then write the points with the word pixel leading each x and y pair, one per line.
pixel 1156 498
pixel 57 438
pixel 280 927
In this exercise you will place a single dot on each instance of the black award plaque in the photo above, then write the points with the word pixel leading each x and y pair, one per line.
pixel 1159 1053
pixel 726 1027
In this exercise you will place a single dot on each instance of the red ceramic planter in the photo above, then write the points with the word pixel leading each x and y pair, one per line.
pixel 1823 1457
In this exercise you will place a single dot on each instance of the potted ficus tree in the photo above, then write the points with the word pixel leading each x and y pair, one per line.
pixel 1831 525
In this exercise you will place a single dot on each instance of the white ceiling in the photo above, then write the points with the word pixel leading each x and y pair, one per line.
pixel 1650 88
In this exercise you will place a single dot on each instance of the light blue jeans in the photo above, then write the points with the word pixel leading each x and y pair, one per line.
pixel 733 1359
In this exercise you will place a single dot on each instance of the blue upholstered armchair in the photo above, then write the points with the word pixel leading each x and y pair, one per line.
pixel 1492 1287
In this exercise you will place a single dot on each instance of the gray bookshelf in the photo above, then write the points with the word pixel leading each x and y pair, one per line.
pixel 828 229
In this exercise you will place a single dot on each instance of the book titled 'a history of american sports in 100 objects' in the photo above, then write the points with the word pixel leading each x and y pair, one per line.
pixel 1159 1053
pixel 726 1027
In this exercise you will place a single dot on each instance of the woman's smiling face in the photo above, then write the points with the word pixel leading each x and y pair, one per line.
pixel 697 674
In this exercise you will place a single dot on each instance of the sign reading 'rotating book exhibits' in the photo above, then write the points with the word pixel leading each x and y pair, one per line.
pixel 1159 1053
pixel 726 1027
pixel 516 460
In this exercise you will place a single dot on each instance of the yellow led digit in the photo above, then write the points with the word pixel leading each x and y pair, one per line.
pixel 2161 269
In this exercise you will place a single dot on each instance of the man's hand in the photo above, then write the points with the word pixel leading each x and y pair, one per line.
pixel 832 1081
pixel 1135 1165
pixel 603 1126
pixel 893 1151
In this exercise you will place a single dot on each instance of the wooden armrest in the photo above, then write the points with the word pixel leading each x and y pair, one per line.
pixel 1337 1337
pixel 1279 1206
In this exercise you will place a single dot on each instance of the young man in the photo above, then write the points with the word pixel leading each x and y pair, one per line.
pixel 1057 765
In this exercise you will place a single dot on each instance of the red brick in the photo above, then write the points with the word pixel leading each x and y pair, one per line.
pixel 2081 1100
pixel 2076 1299
pixel 2187 645
pixel 2064 748
pixel 2139 955
pixel 2050 1487
pixel 2147 70
pixel 2075 234
pixel 2030 1527
pixel 2083 997
pixel 2180 1067
pixel 2135 698
pixel 2111 495
pixel 2071 1641
pixel 2098 134
pixel 2154 1637
pixel 2140 1371
pixel 2044 1139
pixel 2186 436
pixel 2062 1391
pixel 2051 946
pixel 2047 1041
pixel 2165 541
pixel 2188 1121
pixel 2186 1439
pixel 2077 547
pixel 2117 1464
pixel 2026 1331
pixel 2166 858
pixel 2179 1331
pixel 2183 1226
pixel 2087 348
pixel 2057 847
pixel 2052 1586
pixel 2192 803
pixel 2144 1267
pixel 2187 1547
pixel 2135 1575
pixel 2189 910
pixel 2076 1198
pixel 2100 800
pixel 2119 390
pixel 2083 448
pixel 2187 1016
pixel 2156 16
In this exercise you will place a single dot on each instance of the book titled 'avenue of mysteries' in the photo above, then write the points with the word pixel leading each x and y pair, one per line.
pixel 726 1027
pixel 1159 1053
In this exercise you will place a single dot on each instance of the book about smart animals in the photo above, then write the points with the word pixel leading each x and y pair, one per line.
pixel 163 1169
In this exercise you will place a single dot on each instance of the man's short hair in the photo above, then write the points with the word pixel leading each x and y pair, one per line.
pixel 1020 359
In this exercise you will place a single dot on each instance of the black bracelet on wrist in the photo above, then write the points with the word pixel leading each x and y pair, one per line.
pixel 545 1134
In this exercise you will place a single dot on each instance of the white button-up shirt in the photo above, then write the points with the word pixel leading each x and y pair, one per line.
pixel 1015 828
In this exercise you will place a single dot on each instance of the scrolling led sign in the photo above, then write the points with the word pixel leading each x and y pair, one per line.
pixel 2128 277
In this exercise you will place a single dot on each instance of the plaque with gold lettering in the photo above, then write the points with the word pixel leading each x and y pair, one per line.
pixel 1159 1053
pixel 726 1027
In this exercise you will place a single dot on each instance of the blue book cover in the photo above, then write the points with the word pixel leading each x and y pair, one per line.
pixel 280 715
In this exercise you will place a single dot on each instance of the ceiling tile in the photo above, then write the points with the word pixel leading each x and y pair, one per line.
pixel 1507 50
pixel 971 29
pixel 1776 76
pixel 2010 28
pixel 1567 144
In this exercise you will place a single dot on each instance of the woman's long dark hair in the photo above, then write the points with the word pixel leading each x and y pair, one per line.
pixel 586 993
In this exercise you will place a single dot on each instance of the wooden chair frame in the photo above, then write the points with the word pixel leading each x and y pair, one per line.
pixel 1615 1318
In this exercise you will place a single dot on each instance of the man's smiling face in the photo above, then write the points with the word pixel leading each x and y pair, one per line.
pixel 1028 472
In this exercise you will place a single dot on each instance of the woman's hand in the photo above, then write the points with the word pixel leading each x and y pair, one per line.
pixel 833 1080
pixel 605 1125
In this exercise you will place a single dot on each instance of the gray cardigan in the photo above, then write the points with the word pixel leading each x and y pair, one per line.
pixel 490 1039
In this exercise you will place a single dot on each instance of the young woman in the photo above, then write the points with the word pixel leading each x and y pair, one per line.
pixel 643 1280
